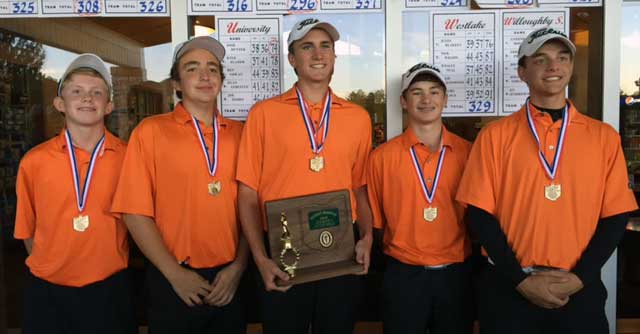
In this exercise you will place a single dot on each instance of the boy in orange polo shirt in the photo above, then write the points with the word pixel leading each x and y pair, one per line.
pixel 78 252
pixel 303 142
pixel 412 182
pixel 548 198
pixel 178 195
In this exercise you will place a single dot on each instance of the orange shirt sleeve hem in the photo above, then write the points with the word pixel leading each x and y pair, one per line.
pixel 617 211
pixel 22 235
pixel 247 183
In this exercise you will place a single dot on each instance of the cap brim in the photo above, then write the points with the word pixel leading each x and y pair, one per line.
pixel 406 82
pixel 535 46
pixel 90 61
pixel 327 27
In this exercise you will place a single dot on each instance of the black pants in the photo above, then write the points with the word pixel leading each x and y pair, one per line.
pixel 169 314
pixel 420 301
pixel 330 306
pixel 100 307
pixel 504 310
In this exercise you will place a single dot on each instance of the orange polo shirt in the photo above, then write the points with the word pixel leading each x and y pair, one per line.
pixel 275 150
pixel 505 178
pixel 47 205
pixel 165 177
pixel 397 200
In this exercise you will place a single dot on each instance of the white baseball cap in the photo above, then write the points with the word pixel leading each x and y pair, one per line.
pixel 536 39
pixel 201 42
pixel 87 60
pixel 303 27
pixel 418 68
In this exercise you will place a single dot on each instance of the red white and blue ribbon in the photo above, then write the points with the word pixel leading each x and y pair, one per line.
pixel 212 161
pixel 428 194
pixel 316 147
pixel 550 169
pixel 81 193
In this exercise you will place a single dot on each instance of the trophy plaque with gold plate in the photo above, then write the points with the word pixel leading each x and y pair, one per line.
pixel 311 237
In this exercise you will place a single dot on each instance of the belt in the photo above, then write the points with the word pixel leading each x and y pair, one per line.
pixel 438 267
pixel 531 269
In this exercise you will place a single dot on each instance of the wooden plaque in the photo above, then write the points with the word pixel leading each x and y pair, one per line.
pixel 321 230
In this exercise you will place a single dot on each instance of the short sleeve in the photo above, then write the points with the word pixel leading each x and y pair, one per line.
pixel 477 186
pixel 25 209
pixel 358 173
pixel 618 197
pixel 135 192
pixel 251 149
pixel 375 179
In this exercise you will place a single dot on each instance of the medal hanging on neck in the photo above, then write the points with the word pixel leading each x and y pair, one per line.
pixel 429 213
pixel 215 187
pixel 316 163
pixel 553 190
pixel 81 222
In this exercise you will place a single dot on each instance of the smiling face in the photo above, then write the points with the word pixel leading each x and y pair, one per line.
pixel 548 71
pixel 200 77
pixel 84 99
pixel 313 57
pixel 424 101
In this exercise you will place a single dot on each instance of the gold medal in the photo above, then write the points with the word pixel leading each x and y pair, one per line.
pixel 80 223
pixel 430 214
pixel 552 192
pixel 316 163
pixel 215 188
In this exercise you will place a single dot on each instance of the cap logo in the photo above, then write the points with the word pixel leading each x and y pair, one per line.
pixel 544 32
pixel 306 22
pixel 421 66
